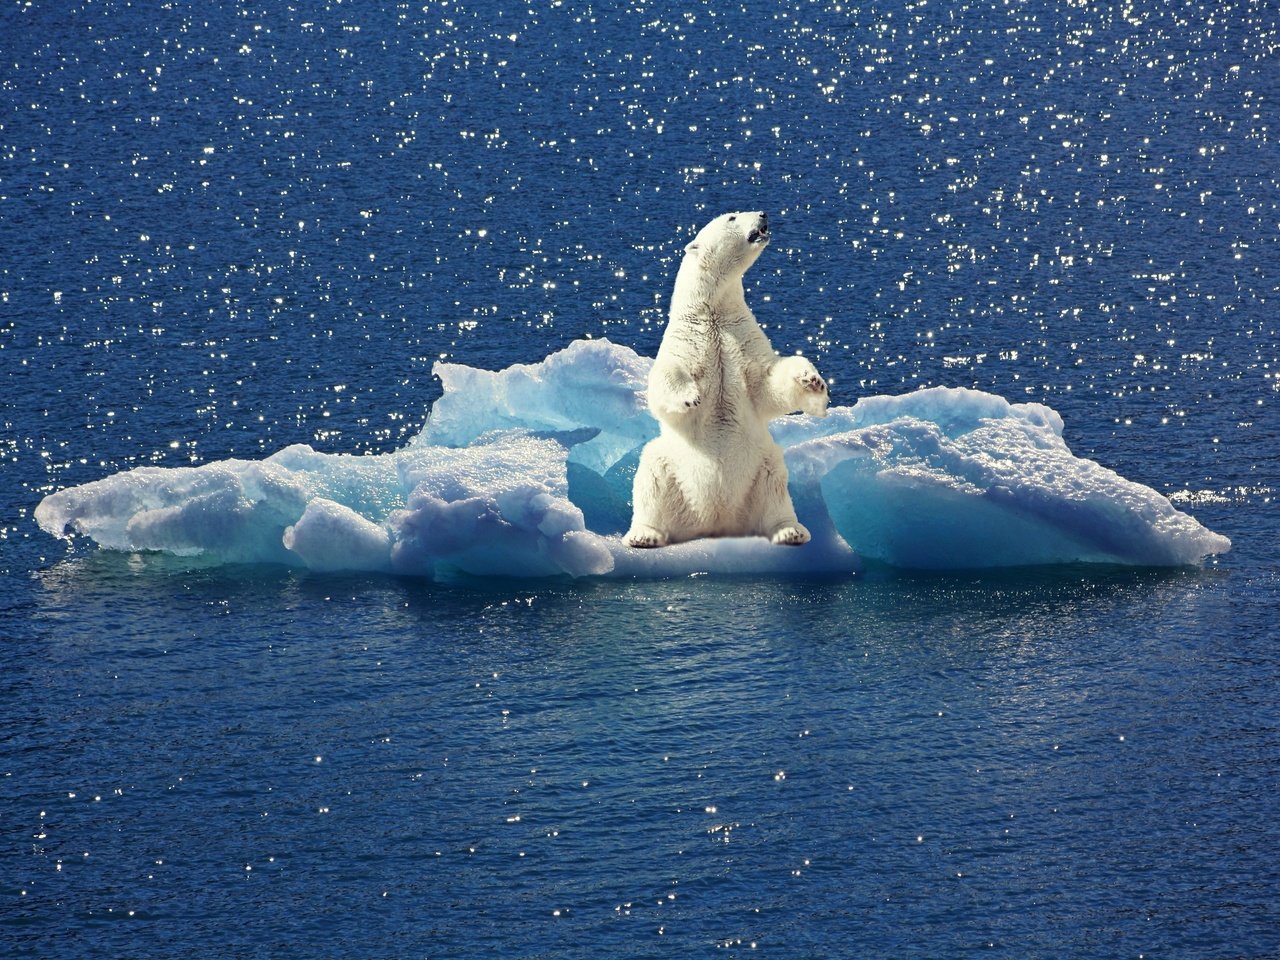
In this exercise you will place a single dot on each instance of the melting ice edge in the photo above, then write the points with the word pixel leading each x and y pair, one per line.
pixel 527 472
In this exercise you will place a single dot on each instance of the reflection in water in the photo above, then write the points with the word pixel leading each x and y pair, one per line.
pixel 563 756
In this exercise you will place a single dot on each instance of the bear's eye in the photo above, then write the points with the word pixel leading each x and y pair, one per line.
pixel 731 219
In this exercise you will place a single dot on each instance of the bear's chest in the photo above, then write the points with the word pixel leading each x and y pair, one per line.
pixel 721 368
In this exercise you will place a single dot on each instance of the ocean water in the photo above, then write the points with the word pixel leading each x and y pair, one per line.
pixel 231 229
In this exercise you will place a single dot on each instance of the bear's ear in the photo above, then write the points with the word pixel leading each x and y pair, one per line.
pixel 692 247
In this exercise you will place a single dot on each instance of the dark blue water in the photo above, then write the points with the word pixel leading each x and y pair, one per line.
pixel 226 230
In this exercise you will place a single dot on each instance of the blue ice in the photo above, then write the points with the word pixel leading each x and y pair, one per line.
pixel 527 472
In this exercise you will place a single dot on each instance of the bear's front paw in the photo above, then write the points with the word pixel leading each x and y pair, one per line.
pixel 812 382
pixel 790 535
pixel 688 399
pixel 813 393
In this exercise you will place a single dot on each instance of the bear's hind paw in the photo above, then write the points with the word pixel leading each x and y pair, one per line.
pixel 645 538
pixel 790 535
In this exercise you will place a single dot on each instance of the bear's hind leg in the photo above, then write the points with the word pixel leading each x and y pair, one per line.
pixel 774 513
pixel 651 496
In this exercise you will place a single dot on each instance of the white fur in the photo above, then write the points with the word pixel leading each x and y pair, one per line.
pixel 715 471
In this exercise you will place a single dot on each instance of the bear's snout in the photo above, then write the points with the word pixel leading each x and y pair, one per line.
pixel 760 231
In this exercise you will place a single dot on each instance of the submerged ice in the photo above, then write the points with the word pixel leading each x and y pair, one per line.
pixel 527 472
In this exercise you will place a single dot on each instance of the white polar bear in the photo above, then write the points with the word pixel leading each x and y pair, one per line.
pixel 715 471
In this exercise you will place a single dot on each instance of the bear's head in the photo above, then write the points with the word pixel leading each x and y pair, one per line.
pixel 730 243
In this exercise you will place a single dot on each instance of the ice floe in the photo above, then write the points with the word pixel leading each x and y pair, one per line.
pixel 527 472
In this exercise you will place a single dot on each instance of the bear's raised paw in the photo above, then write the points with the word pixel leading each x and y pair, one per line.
pixel 812 382
pixel 813 398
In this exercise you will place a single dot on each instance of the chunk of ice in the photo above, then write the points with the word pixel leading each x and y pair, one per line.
pixel 526 472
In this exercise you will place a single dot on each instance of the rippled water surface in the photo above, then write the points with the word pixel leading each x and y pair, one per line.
pixel 229 229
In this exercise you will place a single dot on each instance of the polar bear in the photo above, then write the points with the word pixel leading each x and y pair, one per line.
pixel 714 470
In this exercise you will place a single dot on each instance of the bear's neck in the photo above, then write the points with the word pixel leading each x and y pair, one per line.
pixel 701 294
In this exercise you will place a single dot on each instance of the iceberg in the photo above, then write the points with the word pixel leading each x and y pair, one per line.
pixel 526 472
